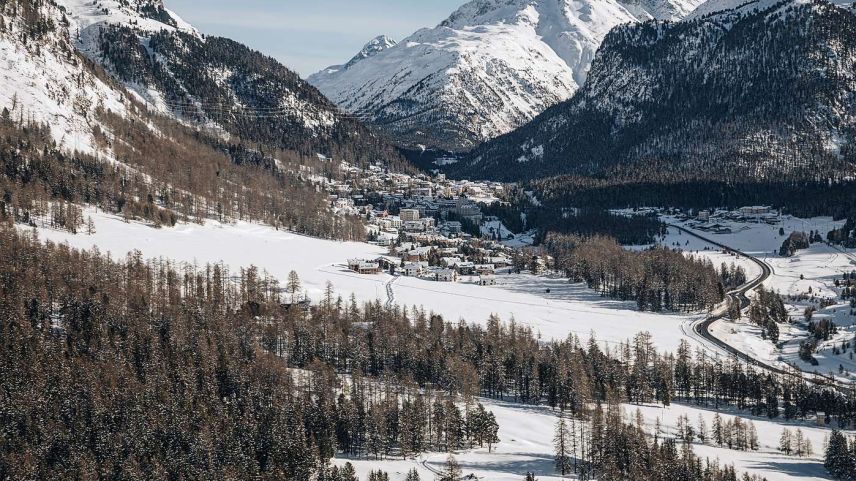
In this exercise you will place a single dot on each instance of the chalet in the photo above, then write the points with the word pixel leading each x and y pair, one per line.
pixel 414 226
pixel 446 275
pixel 414 269
pixel 500 261
pixel 485 269
pixel 450 261
pixel 362 266
pixel 388 262
pixel 465 268
pixel 417 254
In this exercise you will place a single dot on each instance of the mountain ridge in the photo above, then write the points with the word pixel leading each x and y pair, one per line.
pixel 738 91
pixel 490 67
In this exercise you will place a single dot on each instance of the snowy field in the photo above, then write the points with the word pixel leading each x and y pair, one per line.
pixel 810 273
pixel 566 309
pixel 526 444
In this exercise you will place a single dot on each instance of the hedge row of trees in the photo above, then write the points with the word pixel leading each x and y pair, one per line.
pixel 607 447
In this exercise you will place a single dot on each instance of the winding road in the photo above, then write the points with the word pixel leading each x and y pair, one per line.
pixel 702 328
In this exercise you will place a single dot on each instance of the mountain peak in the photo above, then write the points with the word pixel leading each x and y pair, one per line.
pixel 489 68
pixel 374 47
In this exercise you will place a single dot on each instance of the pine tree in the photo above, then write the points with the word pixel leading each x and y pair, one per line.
pixel 799 443
pixel 452 471
pixel 292 286
pixel 753 436
pixel 348 473
pixel 412 475
pixel 702 430
pixel 786 441
pixel 491 431
pixel 718 434
pixel 530 477
pixel 561 445
pixel 839 459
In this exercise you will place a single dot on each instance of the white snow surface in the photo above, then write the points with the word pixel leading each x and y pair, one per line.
pixel 492 65
pixel 567 309
pixel 810 272
pixel 87 13
pixel 55 89
pixel 50 88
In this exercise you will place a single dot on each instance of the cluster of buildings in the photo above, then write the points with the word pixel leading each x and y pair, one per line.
pixel 419 207
pixel 434 227
pixel 451 260
pixel 712 221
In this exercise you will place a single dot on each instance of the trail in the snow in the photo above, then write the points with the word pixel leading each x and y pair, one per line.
pixel 390 293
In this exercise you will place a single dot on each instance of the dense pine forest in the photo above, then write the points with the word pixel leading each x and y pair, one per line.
pixel 726 110
pixel 738 94
pixel 114 368
pixel 805 198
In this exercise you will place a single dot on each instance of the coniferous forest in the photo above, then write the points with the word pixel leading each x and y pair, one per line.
pixel 120 368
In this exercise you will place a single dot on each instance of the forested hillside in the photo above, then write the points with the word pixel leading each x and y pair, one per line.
pixel 252 96
pixel 207 146
pixel 207 179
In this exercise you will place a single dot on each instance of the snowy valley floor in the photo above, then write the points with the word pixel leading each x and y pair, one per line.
pixel 811 272
pixel 566 309
pixel 526 432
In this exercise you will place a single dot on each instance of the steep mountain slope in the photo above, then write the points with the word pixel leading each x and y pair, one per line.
pixel 122 131
pixel 763 91
pixel 167 64
pixel 216 81
pixel 490 67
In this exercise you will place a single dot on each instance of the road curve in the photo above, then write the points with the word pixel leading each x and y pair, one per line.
pixel 739 295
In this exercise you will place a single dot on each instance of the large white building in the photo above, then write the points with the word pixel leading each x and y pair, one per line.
pixel 409 215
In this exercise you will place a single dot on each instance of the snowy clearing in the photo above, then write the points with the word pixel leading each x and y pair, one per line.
pixel 567 309
pixel 526 444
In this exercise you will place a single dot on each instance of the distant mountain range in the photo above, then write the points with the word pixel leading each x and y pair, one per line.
pixel 762 91
pixel 489 68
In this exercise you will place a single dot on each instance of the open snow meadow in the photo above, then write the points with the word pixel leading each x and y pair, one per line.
pixel 567 309
pixel 804 279
pixel 526 434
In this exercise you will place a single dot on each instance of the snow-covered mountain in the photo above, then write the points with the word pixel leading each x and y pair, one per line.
pixel 86 55
pixel 490 67
pixel 744 93
pixel 374 47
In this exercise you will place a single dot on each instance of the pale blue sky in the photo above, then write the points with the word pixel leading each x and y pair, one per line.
pixel 308 35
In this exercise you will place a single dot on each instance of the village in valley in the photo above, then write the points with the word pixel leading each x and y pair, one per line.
pixel 434 228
